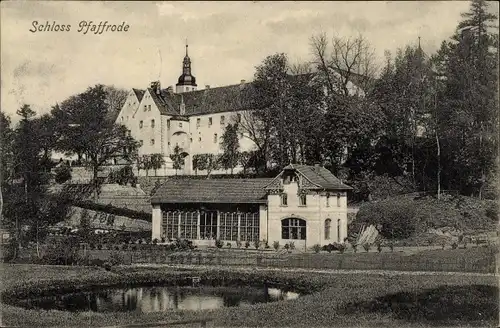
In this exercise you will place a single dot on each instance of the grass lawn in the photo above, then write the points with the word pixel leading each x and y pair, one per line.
pixel 342 300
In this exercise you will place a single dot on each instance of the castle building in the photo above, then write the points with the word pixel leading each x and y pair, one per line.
pixel 194 120
pixel 306 205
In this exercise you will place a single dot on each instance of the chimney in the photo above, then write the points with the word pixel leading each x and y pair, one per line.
pixel 207 86
pixel 170 90
pixel 158 87
pixel 243 81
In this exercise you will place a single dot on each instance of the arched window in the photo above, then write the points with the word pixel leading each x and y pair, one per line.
pixel 293 228
pixel 328 227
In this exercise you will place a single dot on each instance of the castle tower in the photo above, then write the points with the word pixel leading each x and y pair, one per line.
pixel 186 82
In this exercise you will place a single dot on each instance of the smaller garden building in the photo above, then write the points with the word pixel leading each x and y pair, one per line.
pixel 306 205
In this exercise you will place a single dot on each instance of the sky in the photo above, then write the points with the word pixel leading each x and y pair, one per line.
pixel 227 40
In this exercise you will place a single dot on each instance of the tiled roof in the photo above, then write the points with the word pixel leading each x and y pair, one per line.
pixel 139 93
pixel 231 191
pixel 318 176
pixel 216 100
pixel 165 102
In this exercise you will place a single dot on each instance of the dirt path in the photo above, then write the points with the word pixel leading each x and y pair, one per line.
pixel 325 271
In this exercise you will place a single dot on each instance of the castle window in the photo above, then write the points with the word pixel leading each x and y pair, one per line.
pixel 222 120
pixel 198 122
pixel 209 121
pixel 199 139
pixel 145 108
pixel 239 117
pixel 141 142
pixel 168 143
pixel 215 137
pixel 302 200
pixel 338 200
pixel 152 142
pixel 168 124
pixel 328 227
pixel 140 124
pixel 152 123
pixel 149 108
pixel 191 139
pixel 293 228
pixel 327 200
pixel 284 199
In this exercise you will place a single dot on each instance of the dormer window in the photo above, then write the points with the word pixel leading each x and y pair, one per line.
pixel 140 124
pixel 145 107
pixel 302 200
pixel 209 121
pixel 284 199
pixel 327 200
pixel 222 120
pixel 149 108
pixel 338 200
pixel 152 123
pixel 238 116
pixel 198 122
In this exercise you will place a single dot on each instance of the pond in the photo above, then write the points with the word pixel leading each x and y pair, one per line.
pixel 159 299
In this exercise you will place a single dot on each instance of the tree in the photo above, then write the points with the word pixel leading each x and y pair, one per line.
pixel 85 129
pixel 230 146
pixel 115 99
pixel 177 159
pixel 157 161
pixel 468 104
pixel 209 162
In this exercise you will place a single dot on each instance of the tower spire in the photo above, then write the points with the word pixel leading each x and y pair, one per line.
pixel 419 47
pixel 186 47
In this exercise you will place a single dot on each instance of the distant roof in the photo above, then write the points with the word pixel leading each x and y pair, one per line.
pixel 228 191
pixel 165 101
pixel 216 100
pixel 320 177
pixel 138 93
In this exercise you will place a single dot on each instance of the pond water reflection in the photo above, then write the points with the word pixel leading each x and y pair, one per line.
pixel 159 299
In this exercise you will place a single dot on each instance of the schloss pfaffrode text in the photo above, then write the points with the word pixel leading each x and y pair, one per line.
pixel 83 27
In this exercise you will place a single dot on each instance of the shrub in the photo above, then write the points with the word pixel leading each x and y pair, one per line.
pixel 238 243
pixel 247 244
pixel 125 247
pixel 256 244
pixel 115 258
pixel 316 248
pixel 342 248
pixel 266 243
pixel 162 239
pixel 155 241
pixel 443 244
pixel 391 246
pixel 62 173
pixel 219 243
pixel 276 245
pixel 379 247
pixel 134 247
pixel 367 247
pixel 454 245
pixel 229 245
pixel 292 245
pixel 393 217
pixel 99 246
pixel 355 248
pixel 117 248
pixel 63 252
